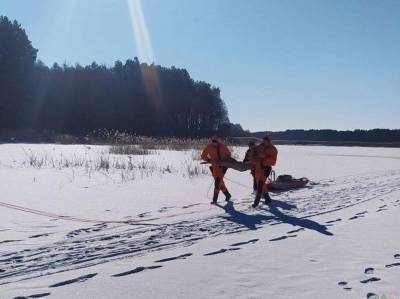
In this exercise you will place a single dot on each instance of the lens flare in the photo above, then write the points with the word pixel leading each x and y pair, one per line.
pixel 146 54
pixel 140 31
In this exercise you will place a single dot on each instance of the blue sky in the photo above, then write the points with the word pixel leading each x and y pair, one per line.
pixel 280 64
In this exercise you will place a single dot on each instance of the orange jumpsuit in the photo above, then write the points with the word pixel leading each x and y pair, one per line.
pixel 263 157
pixel 215 152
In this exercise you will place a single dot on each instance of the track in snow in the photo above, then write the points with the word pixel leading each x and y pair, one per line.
pixel 102 243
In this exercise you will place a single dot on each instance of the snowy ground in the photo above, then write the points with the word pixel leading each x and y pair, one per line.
pixel 339 238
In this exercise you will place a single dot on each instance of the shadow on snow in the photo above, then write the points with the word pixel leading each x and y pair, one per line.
pixel 251 221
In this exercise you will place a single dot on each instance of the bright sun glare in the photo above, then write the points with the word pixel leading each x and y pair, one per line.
pixel 140 31
pixel 145 53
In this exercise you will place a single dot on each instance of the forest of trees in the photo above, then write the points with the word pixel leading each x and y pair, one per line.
pixel 375 135
pixel 133 97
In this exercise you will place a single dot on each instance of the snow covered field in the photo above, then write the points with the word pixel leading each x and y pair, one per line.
pixel 338 238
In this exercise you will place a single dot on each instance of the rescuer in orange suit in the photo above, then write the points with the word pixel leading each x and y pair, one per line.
pixel 263 158
pixel 215 152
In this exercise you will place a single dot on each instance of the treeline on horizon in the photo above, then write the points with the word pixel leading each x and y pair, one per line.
pixel 131 97
pixel 134 97
pixel 374 135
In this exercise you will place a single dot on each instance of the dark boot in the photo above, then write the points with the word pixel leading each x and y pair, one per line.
pixel 268 199
pixel 227 195
pixel 215 198
pixel 256 200
pixel 216 190
pixel 258 195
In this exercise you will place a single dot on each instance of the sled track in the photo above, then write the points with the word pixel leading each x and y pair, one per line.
pixel 102 243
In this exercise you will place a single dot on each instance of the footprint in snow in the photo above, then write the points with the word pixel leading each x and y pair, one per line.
pixel 9 241
pixel 179 257
pixel 87 230
pixel 361 213
pixel 38 236
pixel 332 221
pixel 372 296
pixel 221 251
pixel 33 296
pixel 75 280
pixel 369 271
pixel 151 242
pixel 282 238
pixel 136 270
pixel 313 260
pixel 189 206
pixel 345 286
pixel 372 279
pixel 107 238
pixel 296 230
pixel 397 256
pixel 164 209
pixel 392 265
pixel 252 241
pixel 141 215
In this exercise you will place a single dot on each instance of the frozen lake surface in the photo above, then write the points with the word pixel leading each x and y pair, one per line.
pixel 62 233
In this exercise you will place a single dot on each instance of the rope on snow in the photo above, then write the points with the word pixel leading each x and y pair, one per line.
pixel 76 219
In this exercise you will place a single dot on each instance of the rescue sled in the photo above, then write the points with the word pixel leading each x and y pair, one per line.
pixel 285 182
pixel 281 183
